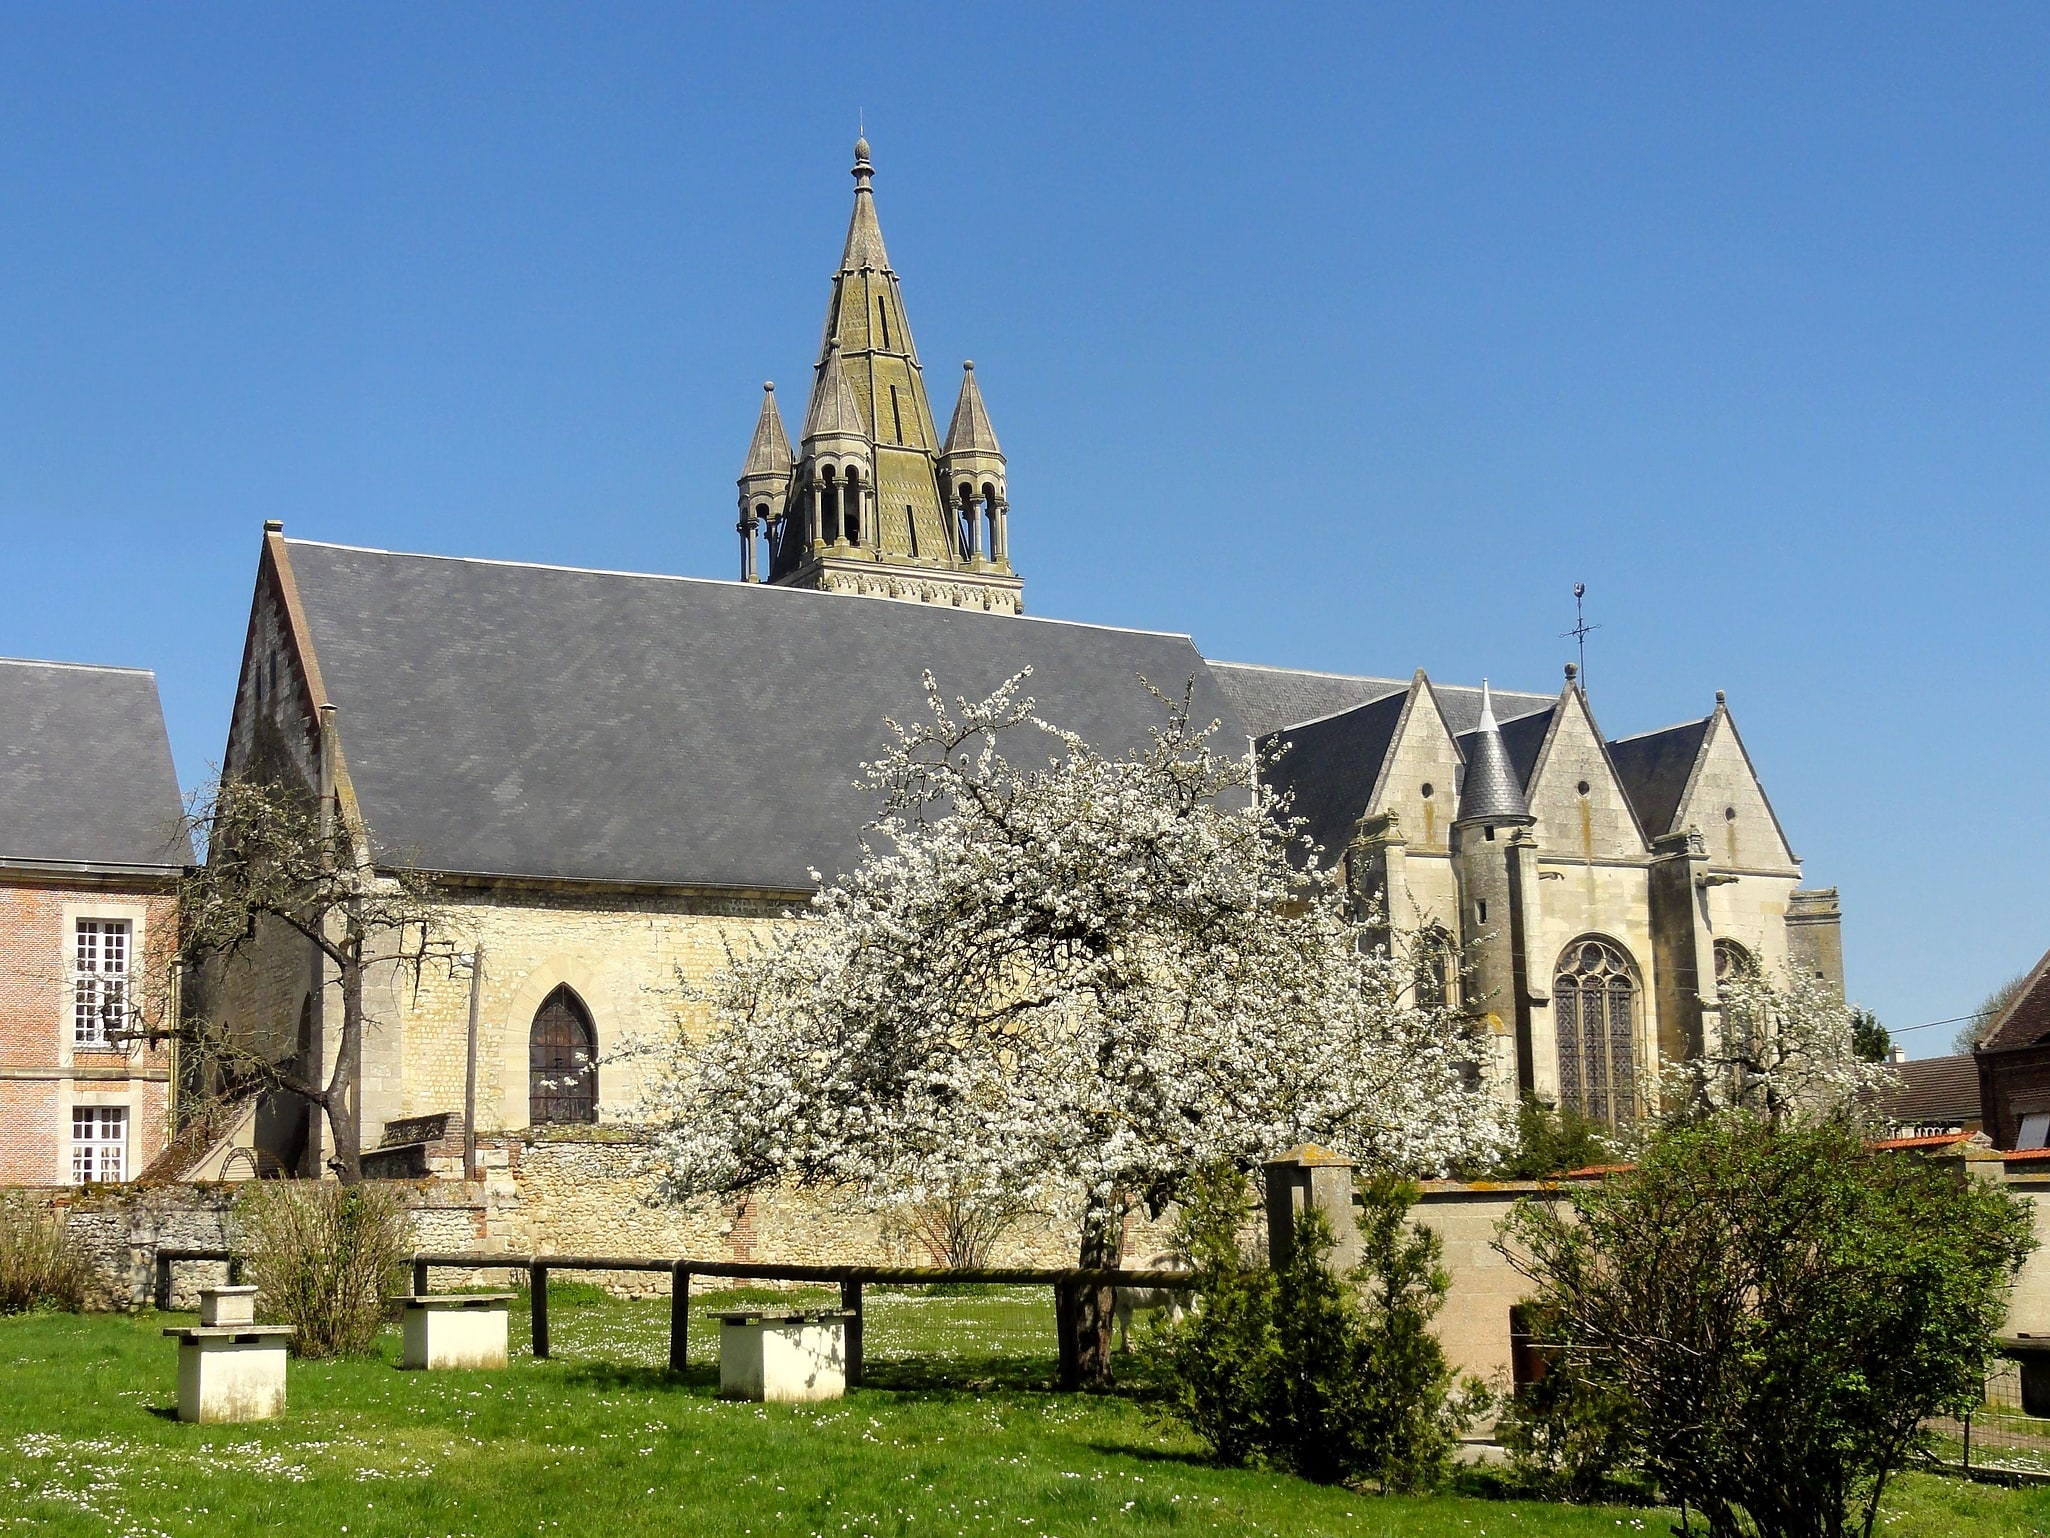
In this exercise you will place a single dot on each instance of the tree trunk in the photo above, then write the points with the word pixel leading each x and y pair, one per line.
pixel 345 1088
pixel 1095 1308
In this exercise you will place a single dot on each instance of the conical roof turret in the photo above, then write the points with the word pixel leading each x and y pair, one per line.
pixel 834 412
pixel 769 452
pixel 970 432
pixel 1491 790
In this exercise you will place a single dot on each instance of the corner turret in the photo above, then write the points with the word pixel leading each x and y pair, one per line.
pixel 764 484
pixel 972 471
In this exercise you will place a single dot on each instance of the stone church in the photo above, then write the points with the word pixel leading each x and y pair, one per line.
pixel 614 776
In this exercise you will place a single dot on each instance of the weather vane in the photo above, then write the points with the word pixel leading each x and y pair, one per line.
pixel 1580 629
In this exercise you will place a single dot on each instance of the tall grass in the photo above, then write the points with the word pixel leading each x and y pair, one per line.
pixel 41 1264
pixel 326 1259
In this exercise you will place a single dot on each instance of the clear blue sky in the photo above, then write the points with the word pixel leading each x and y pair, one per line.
pixel 1345 338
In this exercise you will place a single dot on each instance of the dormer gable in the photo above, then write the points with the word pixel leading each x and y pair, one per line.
pixel 1726 802
pixel 1575 793
pixel 1419 776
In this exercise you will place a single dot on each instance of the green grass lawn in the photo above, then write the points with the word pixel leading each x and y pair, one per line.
pixel 600 1440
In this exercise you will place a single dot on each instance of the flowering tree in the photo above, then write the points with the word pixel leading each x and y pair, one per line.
pixel 1787 1052
pixel 1078 981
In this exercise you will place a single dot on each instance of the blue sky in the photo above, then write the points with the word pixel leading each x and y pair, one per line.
pixel 1342 337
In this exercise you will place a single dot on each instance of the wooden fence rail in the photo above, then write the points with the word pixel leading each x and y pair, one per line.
pixel 1067 1285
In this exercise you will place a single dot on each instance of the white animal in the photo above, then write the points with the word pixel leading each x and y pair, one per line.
pixel 1131 1300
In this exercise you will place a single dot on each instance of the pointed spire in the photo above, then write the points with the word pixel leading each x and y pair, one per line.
pixel 834 412
pixel 769 453
pixel 970 432
pixel 1491 791
pixel 864 234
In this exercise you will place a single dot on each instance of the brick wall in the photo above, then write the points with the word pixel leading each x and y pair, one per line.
pixel 42 1077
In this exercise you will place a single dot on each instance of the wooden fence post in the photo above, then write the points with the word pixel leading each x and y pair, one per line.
pixel 537 1302
pixel 1064 1310
pixel 679 1317
pixel 419 1278
pixel 850 1301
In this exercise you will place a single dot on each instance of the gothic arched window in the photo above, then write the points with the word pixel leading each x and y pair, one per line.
pixel 1732 960
pixel 1594 997
pixel 562 1061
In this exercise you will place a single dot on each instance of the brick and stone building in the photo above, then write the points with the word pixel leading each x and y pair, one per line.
pixel 92 845
pixel 2013 1064
pixel 614 777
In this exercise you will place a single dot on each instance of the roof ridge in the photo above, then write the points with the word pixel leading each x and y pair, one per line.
pixel 732 582
pixel 1373 678
pixel 82 667
pixel 1333 715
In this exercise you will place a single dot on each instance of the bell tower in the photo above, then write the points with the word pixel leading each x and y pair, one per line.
pixel 873 501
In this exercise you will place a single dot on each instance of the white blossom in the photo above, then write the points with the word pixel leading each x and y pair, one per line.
pixel 1784 1052
pixel 1074 982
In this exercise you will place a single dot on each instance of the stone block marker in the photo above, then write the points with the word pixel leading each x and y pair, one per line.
pixel 230 1368
pixel 453 1329
pixel 783 1357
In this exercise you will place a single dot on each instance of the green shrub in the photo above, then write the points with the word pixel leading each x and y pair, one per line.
pixel 1552 1141
pixel 41 1264
pixel 1225 1358
pixel 1336 1378
pixel 1774 1312
pixel 326 1259
pixel 1567 1438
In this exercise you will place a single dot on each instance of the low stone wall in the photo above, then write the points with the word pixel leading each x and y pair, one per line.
pixel 560 1192
pixel 582 1193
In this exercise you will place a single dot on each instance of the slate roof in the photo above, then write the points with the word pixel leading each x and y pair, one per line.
pixel 86 778
pixel 1491 785
pixel 1654 768
pixel 1933 1091
pixel 1329 767
pixel 1270 698
pixel 2026 1021
pixel 536 721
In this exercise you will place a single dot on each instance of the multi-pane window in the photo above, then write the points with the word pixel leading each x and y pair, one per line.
pixel 99 996
pixel 99 1143
pixel 1594 996
pixel 562 1061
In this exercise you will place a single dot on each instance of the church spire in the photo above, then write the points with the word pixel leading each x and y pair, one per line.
pixel 872 508
pixel 1491 791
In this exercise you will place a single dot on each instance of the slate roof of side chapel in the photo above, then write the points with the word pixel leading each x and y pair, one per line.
pixel 1655 767
pixel 539 721
pixel 1330 765
pixel 86 778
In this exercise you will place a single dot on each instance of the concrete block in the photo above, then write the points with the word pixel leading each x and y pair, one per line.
pixel 454 1329
pixel 786 1358
pixel 221 1307
pixel 235 1373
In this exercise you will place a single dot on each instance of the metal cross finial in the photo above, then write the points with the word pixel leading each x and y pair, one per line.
pixel 1580 630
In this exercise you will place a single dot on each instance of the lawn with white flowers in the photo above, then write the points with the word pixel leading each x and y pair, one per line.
pixel 601 1440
